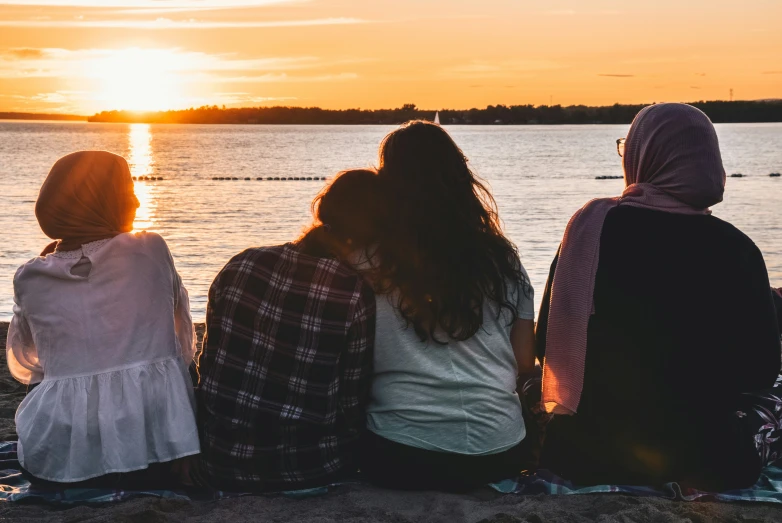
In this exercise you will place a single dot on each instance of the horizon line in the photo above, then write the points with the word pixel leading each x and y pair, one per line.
pixel 418 109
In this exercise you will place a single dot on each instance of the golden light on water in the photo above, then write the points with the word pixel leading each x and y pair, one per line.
pixel 142 163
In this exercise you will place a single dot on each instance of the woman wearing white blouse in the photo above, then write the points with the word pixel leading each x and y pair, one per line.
pixel 102 323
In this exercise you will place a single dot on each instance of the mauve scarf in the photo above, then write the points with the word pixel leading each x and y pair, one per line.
pixel 672 163
pixel 87 196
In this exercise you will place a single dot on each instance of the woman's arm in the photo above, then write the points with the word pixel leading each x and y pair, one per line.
pixel 21 353
pixel 522 339
pixel 183 321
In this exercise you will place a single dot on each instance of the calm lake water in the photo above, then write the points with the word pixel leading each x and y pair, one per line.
pixel 539 175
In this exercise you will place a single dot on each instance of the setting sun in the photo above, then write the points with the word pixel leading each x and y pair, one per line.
pixel 137 79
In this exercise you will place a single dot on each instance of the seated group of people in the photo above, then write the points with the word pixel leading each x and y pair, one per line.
pixel 396 338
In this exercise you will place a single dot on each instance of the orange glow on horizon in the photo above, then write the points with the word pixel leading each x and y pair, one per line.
pixel 85 56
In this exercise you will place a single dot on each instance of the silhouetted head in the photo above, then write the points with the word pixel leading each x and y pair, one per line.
pixel 87 196
pixel 441 250
pixel 346 215
pixel 674 147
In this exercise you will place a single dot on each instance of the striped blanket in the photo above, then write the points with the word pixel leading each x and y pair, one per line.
pixel 14 487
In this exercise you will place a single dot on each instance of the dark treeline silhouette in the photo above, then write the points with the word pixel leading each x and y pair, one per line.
pixel 41 116
pixel 719 111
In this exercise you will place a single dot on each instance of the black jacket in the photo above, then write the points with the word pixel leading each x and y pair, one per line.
pixel 684 324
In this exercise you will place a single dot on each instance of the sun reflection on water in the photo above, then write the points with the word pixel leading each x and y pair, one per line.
pixel 142 164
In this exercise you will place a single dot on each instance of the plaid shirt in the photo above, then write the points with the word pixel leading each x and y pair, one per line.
pixel 285 370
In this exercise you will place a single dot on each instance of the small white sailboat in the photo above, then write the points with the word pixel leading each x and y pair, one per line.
pixel 437 118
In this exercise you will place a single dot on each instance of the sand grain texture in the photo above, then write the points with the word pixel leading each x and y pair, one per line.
pixel 354 503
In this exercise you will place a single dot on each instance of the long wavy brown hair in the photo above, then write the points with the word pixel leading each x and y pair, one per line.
pixel 346 216
pixel 440 251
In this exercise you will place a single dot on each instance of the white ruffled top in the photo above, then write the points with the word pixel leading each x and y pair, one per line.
pixel 106 331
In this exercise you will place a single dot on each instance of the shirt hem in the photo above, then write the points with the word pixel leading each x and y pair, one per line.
pixel 408 440
pixel 113 471
pixel 120 368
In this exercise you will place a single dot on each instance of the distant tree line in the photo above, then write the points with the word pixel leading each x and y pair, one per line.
pixel 718 111
pixel 41 116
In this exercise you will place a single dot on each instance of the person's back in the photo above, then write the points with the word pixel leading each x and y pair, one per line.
pixel 682 326
pixel 459 397
pixel 102 330
pixel 119 303
pixel 454 323
pixel 657 328
pixel 286 363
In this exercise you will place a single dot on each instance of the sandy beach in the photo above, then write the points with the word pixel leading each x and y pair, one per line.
pixel 359 503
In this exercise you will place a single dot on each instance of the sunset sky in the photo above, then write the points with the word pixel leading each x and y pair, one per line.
pixel 84 56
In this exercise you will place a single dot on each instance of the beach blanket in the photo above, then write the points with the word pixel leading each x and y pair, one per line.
pixel 14 487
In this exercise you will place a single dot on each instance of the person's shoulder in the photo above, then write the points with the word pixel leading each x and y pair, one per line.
pixel 256 253
pixel 36 267
pixel 736 242
pixel 146 241
pixel 624 218
pixel 27 269
pixel 344 273
pixel 252 258
pixel 147 238
pixel 730 232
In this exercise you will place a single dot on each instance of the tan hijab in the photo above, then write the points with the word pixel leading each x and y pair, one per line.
pixel 88 196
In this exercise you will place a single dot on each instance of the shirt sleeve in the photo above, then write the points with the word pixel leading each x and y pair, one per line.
pixel 777 295
pixel 756 360
pixel 21 352
pixel 525 298
pixel 213 331
pixel 356 363
pixel 183 321
pixel 545 303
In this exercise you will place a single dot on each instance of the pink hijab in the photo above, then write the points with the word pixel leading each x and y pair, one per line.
pixel 672 163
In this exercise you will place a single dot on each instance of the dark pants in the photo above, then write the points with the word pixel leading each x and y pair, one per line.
pixel 158 476
pixel 393 465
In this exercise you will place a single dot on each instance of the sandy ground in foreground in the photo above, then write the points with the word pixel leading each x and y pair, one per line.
pixel 356 503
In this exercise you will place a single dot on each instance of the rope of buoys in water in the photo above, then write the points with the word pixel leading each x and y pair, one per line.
pixel 269 178
pixel 775 175
pixel 737 175
pixel 607 177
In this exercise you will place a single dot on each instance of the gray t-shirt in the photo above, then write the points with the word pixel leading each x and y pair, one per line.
pixel 458 398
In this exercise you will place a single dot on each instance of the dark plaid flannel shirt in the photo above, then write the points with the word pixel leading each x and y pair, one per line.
pixel 285 370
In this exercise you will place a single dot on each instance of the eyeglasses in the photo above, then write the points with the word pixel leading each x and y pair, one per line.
pixel 620 146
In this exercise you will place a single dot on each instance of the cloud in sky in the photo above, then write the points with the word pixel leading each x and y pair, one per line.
pixel 617 75
pixel 286 78
pixel 166 23
pixel 159 78
pixel 24 54
pixel 149 3
pixel 502 69
pixel 86 63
